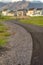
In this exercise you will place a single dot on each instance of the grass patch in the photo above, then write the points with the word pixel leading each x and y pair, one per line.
pixel 3 42
pixel 3 28
pixel 38 20
pixel 1 24
pixel 3 35
pixel 5 18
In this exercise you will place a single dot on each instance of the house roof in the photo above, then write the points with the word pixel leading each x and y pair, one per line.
pixel 22 10
pixel 39 8
pixel 31 9
pixel 11 11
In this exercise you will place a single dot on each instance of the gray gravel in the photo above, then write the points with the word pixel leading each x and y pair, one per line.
pixel 19 46
pixel 37 37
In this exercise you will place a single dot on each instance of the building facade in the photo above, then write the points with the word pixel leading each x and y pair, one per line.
pixel 30 12
pixel 38 12
pixel 4 12
pixel 8 13
pixel 21 12
pixel 35 12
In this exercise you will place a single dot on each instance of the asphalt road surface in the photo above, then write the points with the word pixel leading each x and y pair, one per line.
pixel 37 37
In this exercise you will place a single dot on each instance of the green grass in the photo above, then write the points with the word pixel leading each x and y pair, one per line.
pixel 3 42
pixel 3 34
pixel 33 20
pixel 5 18
pixel 3 28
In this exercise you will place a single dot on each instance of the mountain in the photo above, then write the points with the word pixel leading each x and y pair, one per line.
pixel 16 5
pixel 2 4
pixel 35 5
pixel 5 5
pixel 22 5
pixel 36 1
pixel 19 5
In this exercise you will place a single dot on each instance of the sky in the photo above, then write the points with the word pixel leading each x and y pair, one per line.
pixel 18 0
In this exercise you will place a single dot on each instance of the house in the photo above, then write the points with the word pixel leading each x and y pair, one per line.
pixel 38 12
pixel 4 12
pixel 35 12
pixel 27 9
pixel 30 12
pixel 10 13
pixel 35 9
pixel 21 12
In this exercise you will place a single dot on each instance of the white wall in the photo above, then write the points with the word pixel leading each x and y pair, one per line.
pixel 30 13
pixel 34 13
pixel 4 13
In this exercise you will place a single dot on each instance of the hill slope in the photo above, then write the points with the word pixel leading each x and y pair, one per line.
pixel 2 4
pixel 22 5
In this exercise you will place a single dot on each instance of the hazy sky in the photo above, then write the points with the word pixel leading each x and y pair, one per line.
pixel 18 0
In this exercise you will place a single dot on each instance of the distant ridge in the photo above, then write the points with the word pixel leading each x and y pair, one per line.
pixel 36 1
pixel 16 5
pixel 2 4
pixel 35 5
pixel 22 5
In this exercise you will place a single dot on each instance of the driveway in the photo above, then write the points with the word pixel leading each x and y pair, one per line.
pixel 18 50
pixel 27 47
pixel 37 37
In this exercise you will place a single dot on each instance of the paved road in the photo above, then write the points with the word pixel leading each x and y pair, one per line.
pixel 37 36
